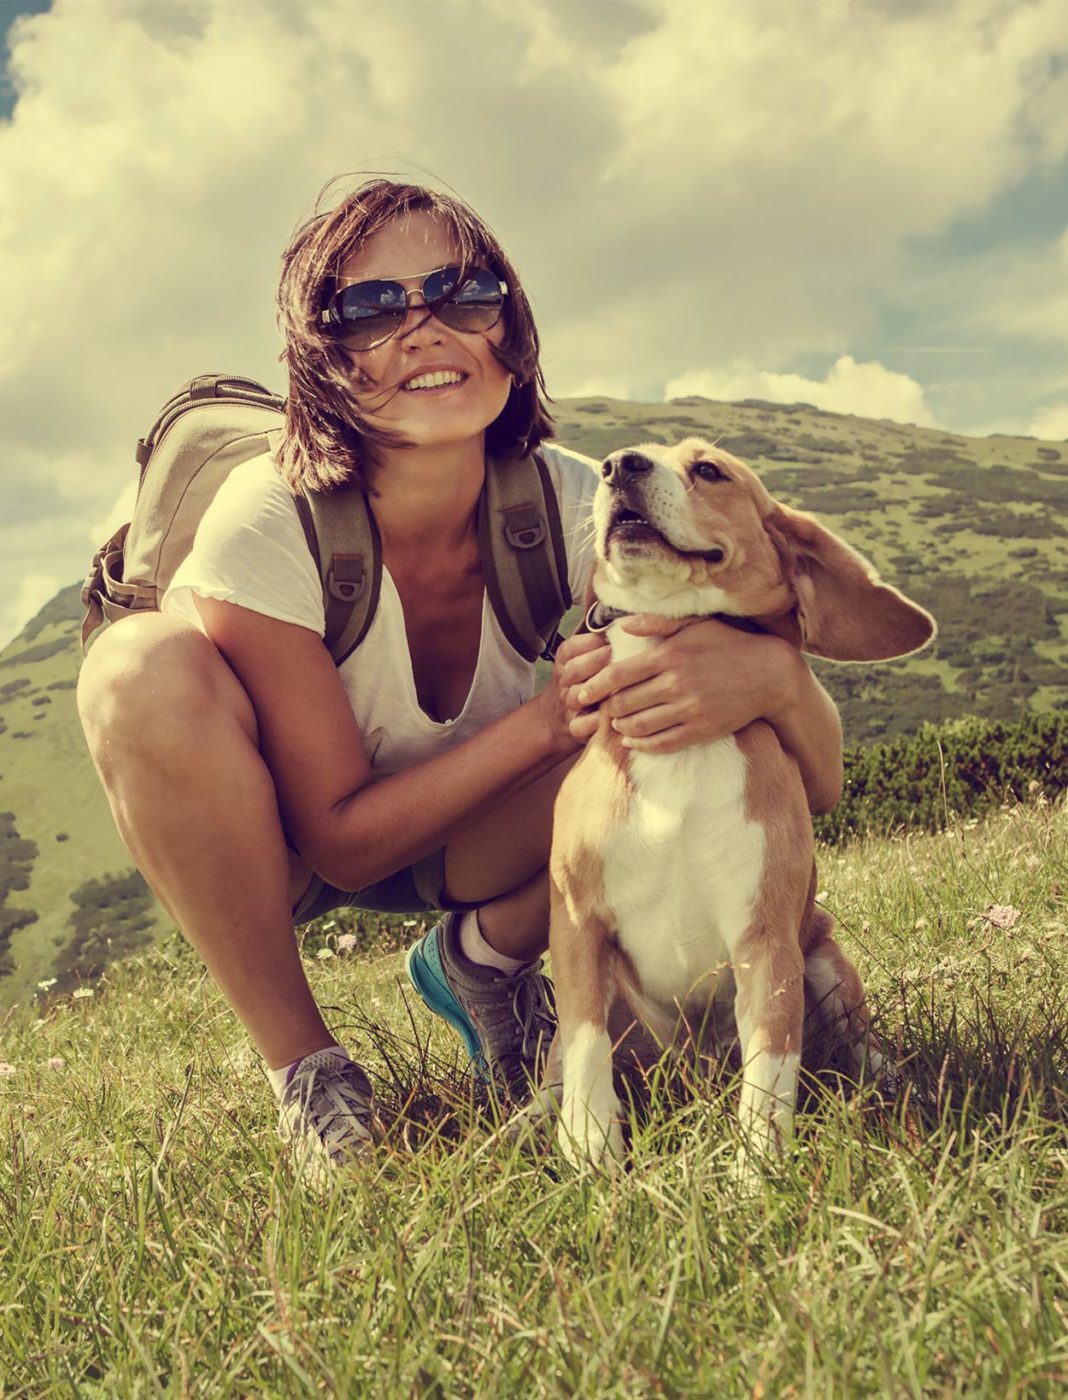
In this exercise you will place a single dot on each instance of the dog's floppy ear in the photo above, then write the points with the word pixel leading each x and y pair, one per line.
pixel 843 611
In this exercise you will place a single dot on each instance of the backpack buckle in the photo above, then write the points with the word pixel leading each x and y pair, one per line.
pixel 346 577
pixel 552 646
pixel 524 527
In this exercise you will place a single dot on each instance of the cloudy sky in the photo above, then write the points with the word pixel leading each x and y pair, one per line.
pixel 858 203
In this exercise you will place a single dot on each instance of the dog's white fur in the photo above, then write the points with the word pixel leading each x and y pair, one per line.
pixel 682 884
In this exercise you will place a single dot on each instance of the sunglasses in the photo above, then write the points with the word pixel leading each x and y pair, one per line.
pixel 367 314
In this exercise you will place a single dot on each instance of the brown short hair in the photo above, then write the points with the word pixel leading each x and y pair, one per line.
pixel 328 442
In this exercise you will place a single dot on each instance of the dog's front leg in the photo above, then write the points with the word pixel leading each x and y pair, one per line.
pixel 590 1112
pixel 770 1012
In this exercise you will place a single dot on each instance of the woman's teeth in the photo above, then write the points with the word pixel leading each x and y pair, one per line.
pixel 435 380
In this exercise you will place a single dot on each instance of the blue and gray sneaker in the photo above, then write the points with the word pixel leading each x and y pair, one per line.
pixel 506 1023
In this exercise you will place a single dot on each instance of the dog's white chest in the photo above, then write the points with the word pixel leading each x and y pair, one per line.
pixel 683 872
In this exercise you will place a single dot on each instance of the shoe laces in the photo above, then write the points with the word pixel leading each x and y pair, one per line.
pixel 335 1103
pixel 530 1008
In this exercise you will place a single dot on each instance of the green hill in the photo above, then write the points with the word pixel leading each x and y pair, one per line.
pixel 972 528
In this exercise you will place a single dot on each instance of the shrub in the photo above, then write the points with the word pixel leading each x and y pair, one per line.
pixel 961 768
pixel 113 916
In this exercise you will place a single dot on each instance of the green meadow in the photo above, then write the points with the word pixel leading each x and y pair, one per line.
pixel 154 1242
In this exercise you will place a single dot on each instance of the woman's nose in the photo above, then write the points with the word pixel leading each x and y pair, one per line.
pixel 418 317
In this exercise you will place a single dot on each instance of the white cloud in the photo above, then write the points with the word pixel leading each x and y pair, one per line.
pixel 34 591
pixel 682 186
pixel 119 512
pixel 867 390
pixel 1050 422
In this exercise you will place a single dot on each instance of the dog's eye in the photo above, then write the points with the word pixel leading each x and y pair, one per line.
pixel 709 471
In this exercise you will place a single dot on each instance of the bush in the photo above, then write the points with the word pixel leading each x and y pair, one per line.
pixel 17 856
pixel 113 916
pixel 960 768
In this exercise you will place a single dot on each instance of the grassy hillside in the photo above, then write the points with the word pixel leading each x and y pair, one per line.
pixel 972 528
pixel 153 1241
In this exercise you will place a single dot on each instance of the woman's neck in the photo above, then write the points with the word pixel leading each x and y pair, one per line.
pixel 426 497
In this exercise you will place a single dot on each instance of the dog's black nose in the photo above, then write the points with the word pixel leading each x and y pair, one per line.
pixel 621 466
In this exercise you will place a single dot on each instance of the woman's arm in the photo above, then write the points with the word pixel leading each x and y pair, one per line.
pixel 700 681
pixel 351 829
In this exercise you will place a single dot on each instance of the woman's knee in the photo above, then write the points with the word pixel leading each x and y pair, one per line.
pixel 153 681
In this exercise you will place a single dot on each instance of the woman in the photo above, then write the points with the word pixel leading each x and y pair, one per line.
pixel 253 781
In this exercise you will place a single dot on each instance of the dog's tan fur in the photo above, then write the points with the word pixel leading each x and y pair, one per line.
pixel 786 572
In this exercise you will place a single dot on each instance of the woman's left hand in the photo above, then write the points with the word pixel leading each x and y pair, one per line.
pixel 698 681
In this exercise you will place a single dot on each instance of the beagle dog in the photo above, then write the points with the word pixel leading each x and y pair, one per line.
pixel 683 884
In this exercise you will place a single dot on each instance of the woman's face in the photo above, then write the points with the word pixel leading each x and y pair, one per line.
pixel 404 251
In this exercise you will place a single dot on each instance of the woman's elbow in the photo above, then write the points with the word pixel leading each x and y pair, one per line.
pixel 821 803
pixel 824 789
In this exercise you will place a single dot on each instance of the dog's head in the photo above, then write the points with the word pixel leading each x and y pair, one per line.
pixel 690 530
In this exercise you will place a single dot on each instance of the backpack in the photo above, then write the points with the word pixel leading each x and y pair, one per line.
pixel 215 422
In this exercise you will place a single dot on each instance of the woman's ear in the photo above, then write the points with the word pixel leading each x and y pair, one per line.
pixel 844 611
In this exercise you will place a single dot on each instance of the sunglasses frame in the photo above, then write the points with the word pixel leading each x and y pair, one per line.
pixel 329 319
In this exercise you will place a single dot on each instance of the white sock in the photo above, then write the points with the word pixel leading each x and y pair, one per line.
pixel 280 1077
pixel 475 948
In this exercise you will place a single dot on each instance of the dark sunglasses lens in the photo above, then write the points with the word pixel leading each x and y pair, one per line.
pixel 471 303
pixel 367 313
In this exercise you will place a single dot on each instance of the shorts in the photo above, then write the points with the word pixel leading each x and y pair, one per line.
pixel 417 889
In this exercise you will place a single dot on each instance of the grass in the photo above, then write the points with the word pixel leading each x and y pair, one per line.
pixel 154 1242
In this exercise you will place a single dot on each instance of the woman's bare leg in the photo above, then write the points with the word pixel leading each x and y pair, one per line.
pixel 173 736
pixel 508 851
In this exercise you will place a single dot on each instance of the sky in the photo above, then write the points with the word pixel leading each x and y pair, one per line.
pixel 859 204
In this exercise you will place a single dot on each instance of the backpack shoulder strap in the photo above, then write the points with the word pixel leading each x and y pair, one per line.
pixel 521 544
pixel 344 542
pixel 524 561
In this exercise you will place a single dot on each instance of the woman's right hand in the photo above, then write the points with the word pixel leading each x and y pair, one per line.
pixel 578 659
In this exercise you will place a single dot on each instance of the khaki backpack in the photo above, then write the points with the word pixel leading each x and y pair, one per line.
pixel 215 422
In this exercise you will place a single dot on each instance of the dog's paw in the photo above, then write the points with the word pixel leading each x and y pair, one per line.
pixel 591 1135
pixel 747 1172
pixel 533 1122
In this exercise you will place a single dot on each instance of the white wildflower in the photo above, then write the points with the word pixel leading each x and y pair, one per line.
pixel 346 942
pixel 1001 915
pixel 921 922
pixel 81 992
pixel 410 923
pixel 47 984
pixel 325 953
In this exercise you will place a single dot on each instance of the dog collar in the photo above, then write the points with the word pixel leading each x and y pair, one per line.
pixel 600 617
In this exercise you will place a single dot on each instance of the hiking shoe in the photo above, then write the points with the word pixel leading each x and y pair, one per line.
pixel 506 1023
pixel 327 1112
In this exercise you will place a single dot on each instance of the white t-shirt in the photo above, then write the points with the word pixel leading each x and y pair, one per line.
pixel 250 549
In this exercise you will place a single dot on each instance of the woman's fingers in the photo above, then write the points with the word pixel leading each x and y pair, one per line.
pixel 647 721
pixel 580 658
